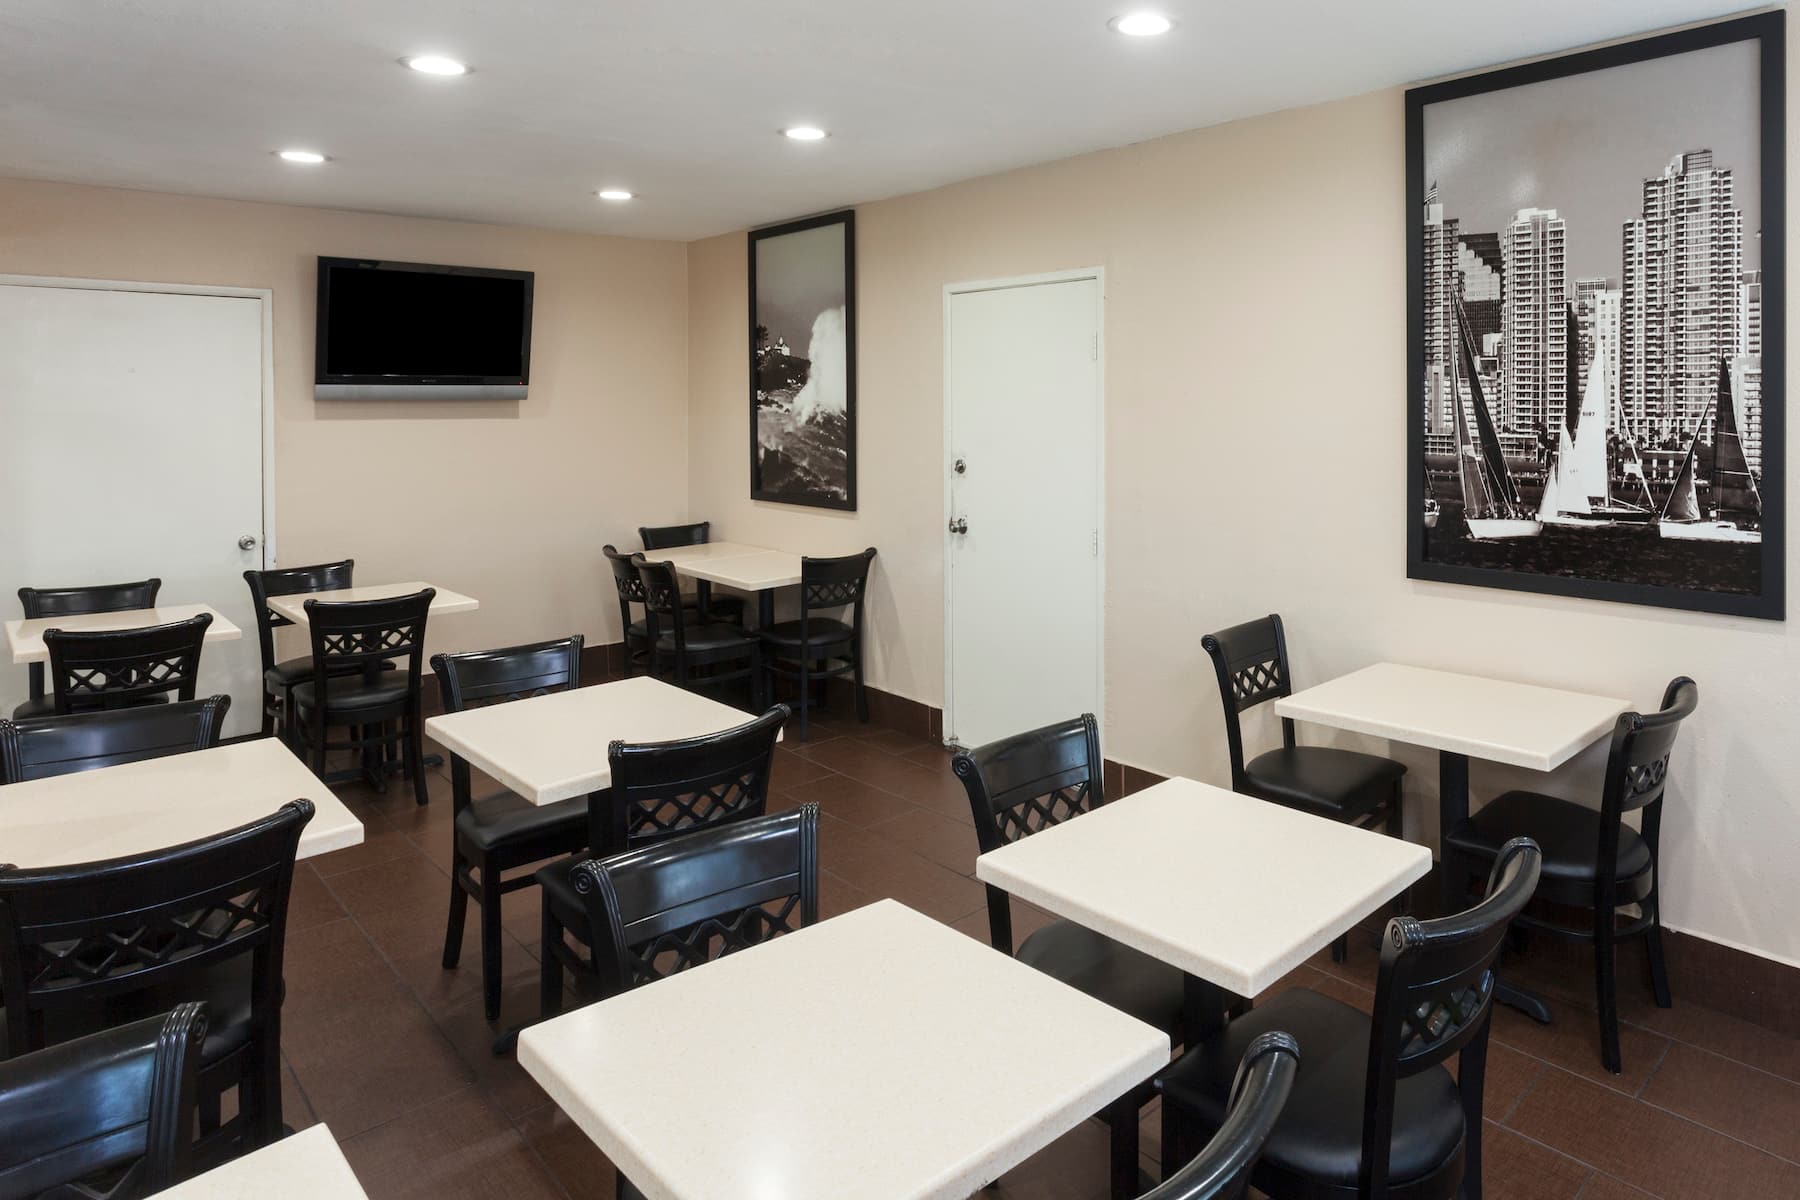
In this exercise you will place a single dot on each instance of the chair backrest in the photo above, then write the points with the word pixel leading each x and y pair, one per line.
pixel 117 1104
pixel 290 581
pixel 479 678
pixel 662 599
pixel 663 537
pixel 1433 996
pixel 680 903
pixel 1024 783
pixel 1251 662
pixel 1221 1171
pixel 71 601
pixel 835 582
pixel 62 745
pixel 115 668
pixel 1637 768
pixel 662 790
pixel 76 940
pixel 367 633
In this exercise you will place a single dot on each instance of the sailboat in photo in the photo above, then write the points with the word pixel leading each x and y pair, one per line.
pixel 1578 486
pixel 1431 504
pixel 1733 496
pixel 1491 507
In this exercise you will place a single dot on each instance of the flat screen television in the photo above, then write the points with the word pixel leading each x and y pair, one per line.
pixel 414 330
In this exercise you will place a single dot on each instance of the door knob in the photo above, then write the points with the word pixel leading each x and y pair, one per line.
pixel 959 525
pixel 247 542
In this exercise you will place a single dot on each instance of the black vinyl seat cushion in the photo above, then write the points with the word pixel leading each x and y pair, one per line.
pixel 1568 833
pixel 296 671
pixel 821 631
pixel 557 882
pixel 356 695
pixel 1328 782
pixel 226 991
pixel 1110 972
pixel 704 638
pixel 45 706
pixel 1319 1135
pixel 510 821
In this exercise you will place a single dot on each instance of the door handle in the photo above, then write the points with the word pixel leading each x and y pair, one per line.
pixel 247 542
pixel 959 525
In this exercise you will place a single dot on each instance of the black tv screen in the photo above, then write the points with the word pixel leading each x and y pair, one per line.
pixel 411 323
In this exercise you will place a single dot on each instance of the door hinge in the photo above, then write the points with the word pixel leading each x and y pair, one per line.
pixel 1094 549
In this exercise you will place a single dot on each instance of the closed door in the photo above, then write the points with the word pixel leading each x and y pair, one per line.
pixel 131 446
pixel 1023 559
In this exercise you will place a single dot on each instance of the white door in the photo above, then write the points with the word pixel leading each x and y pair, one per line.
pixel 131 446
pixel 1023 436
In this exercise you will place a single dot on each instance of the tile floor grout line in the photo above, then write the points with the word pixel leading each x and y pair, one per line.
pixel 1651 1073
pixel 1549 1149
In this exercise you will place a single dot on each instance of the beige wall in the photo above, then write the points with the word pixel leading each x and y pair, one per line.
pixel 509 502
pixel 1255 462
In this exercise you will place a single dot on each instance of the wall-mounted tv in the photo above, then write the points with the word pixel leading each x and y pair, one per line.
pixel 414 330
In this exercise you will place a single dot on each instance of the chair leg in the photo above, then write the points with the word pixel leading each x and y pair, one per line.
pixel 550 971
pixel 264 1127
pixel 1122 1125
pixel 1606 989
pixel 805 693
pixel 862 693
pixel 1659 968
pixel 459 912
pixel 1340 949
pixel 490 940
pixel 1175 1134
pixel 415 759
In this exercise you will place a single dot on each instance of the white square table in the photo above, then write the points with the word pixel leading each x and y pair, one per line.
pixel 551 748
pixel 305 1166
pixel 1232 889
pixel 877 1054
pixel 138 807
pixel 25 638
pixel 293 607
pixel 734 564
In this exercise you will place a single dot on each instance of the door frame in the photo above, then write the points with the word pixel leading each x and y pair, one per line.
pixel 951 290
pixel 266 299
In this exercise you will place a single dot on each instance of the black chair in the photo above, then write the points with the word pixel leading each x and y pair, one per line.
pixel 353 643
pixel 818 648
pixel 48 746
pixel 280 678
pixel 89 946
pixel 498 833
pixel 109 1114
pixel 706 606
pixel 630 587
pixel 125 668
pixel 1373 1111
pixel 1259 1092
pixel 1592 859
pixel 1026 783
pixel 660 791
pixel 694 655
pixel 75 601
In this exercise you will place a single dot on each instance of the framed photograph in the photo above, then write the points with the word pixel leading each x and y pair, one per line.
pixel 803 362
pixel 1595 358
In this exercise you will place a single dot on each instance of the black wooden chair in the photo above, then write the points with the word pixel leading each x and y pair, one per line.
pixel 1373 1111
pixel 49 746
pixel 660 791
pixel 280 678
pixel 630 587
pixel 1026 783
pixel 351 686
pixel 69 602
pixel 1592 859
pixel 90 946
pixel 706 606
pixel 125 668
pixel 694 654
pixel 1259 1092
pixel 817 648
pixel 499 833
pixel 109 1114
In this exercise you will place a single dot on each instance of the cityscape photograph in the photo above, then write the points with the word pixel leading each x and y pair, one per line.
pixel 1592 393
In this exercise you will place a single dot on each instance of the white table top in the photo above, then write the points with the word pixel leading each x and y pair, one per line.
pixel 26 637
pixel 306 1166
pixel 749 572
pixel 1519 724
pixel 877 1054
pixel 1230 888
pixel 129 809
pixel 706 550
pixel 294 607
pixel 550 748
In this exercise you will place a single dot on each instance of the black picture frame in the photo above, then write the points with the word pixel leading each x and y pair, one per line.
pixel 1768 31
pixel 782 490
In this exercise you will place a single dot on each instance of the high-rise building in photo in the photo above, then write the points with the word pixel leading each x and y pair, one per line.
pixel 1749 313
pixel 1584 321
pixel 1478 270
pixel 1534 345
pixel 1605 326
pixel 1440 314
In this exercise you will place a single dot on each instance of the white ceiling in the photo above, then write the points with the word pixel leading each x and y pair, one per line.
pixel 681 100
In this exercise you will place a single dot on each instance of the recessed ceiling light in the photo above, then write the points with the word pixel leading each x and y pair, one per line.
pixel 1142 24
pixel 804 133
pixel 436 64
pixel 614 194
pixel 301 156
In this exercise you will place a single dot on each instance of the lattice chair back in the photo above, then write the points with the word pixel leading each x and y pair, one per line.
pixel 86 944
pixel 662 599
pixel 347 634
pixel 71 601
pixel 1025 783
pixel 681 903
pixel 479 678
pixel 626 580
pixel 290 581
pixel 663 790
pixel 117 668
pixel 1637 769
pixel 1433 997
pixel 835 583
pixel 49 746
pixel 1251 663
pixel 665 537
pixel 1222 1170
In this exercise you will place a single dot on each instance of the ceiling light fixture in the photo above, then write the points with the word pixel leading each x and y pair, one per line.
pixel 803 133
pixel 301 156
pixel 614 194
pixel 436 64
pixel 1142 24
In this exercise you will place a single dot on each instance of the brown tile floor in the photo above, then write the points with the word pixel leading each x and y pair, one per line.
pixel 392 1051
